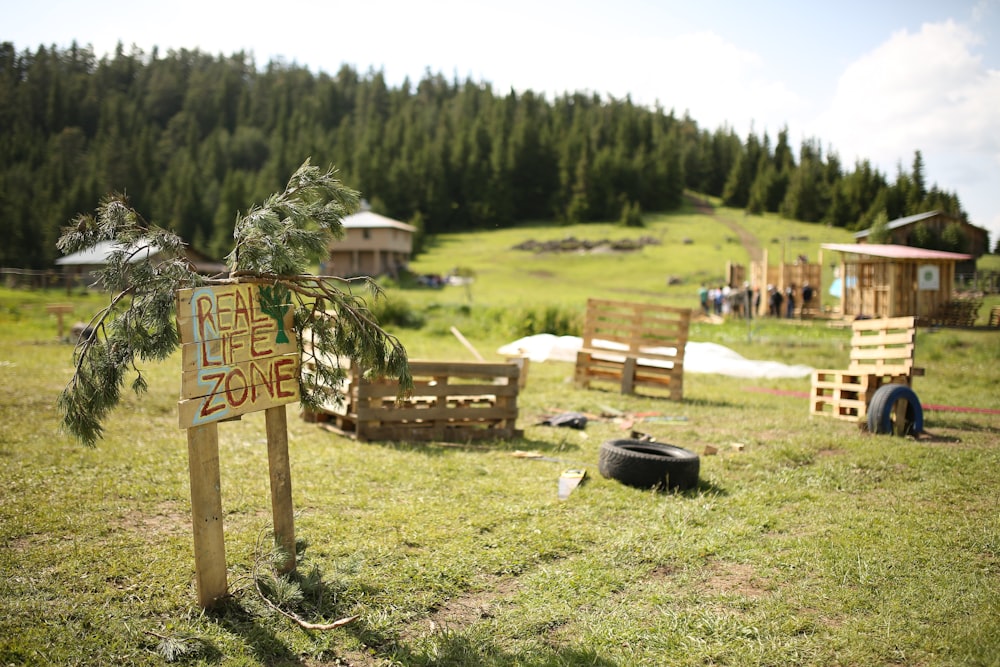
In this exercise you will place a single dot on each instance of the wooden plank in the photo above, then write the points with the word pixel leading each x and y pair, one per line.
pixel 628 376
pixel 279 469
pixel 885 339
pixel 206 514
pixel 437 391
pixel 271 374
pixel 233 350
pixel 886 353
pixel 395 414
pixel 207 313
pixel 884 323
pixel 463 369
pixel 238 398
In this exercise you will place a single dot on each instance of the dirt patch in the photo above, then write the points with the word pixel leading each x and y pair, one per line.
pixel 346 659
pixel 735 578
pixel 573 244
pixel 748 240
pixel 662 573
pixel 823 453
pixel 460 612
pixel 167 519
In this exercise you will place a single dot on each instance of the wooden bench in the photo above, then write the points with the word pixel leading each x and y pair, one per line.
pixel 881 353
pixel 451 402
pixel 633 345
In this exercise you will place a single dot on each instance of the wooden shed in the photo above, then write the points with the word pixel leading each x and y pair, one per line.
pixel 894 280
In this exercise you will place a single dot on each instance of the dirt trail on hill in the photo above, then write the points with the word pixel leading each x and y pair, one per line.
pixel 748 240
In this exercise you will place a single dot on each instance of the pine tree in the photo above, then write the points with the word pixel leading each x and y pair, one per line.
pixel 880 232
pixel 631 215
pixel 918 190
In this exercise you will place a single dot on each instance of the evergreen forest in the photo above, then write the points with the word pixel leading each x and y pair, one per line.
pixel 192 139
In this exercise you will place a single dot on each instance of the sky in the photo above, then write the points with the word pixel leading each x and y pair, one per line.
pixel 868 79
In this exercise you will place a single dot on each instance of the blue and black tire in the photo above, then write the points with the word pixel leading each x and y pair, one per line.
pixel 883 416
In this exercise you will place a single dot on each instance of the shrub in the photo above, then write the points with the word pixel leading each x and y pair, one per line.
pixel 392 311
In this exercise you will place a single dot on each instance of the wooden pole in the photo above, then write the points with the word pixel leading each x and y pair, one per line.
pixel 206 513
pixel 281 483
pixel 59 309
pixel 468 346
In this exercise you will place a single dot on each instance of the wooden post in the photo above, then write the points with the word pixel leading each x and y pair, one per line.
pixel 59 309
pixel 899 415
pixel 206 513
pixel 219 355
pixel 281 483
pixel 628 376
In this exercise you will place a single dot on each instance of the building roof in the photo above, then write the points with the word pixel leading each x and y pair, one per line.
pixel 900 222
pixel 98 254
pixel 894 251
pixel 372 220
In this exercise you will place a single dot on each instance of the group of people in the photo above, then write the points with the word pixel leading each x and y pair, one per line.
pixel 725 300
pixel 744 302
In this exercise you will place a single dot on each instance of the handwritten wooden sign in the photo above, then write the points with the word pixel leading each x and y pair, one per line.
pixel 239 352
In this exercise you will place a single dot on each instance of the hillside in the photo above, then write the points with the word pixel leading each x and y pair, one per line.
pixel 690 247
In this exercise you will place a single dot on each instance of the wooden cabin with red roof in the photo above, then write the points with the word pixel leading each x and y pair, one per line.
pixel 883 280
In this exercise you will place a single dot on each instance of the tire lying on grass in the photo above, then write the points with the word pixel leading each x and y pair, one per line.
pixel 646 465
pixel 895 409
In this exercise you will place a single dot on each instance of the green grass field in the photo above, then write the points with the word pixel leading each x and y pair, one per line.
pixel 807 542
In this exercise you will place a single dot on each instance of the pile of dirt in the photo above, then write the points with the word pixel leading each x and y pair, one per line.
pixel 573 244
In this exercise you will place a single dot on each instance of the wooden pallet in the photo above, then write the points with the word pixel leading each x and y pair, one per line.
pixel 957 313
pixel 840 394
pixel 882 352
pixel 450 402
pixel 633 345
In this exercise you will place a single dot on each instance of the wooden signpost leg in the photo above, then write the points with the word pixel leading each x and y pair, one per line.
pixel 281 483
pixel 206 513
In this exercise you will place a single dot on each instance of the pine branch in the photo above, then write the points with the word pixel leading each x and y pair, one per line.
pixel 274 243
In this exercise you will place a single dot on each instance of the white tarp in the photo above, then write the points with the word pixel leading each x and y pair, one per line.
pixel 698 357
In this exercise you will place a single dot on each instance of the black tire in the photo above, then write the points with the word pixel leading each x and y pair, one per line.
pixel 881 411
pixel 646 465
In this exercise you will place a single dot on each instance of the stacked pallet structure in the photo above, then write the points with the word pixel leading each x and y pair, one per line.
pixel 451 402
pixel 882 352
pixel 957 313
pixel 633 345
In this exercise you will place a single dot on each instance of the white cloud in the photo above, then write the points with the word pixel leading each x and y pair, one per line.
pixel 926 91
pixel 721 83
pixel 715 80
